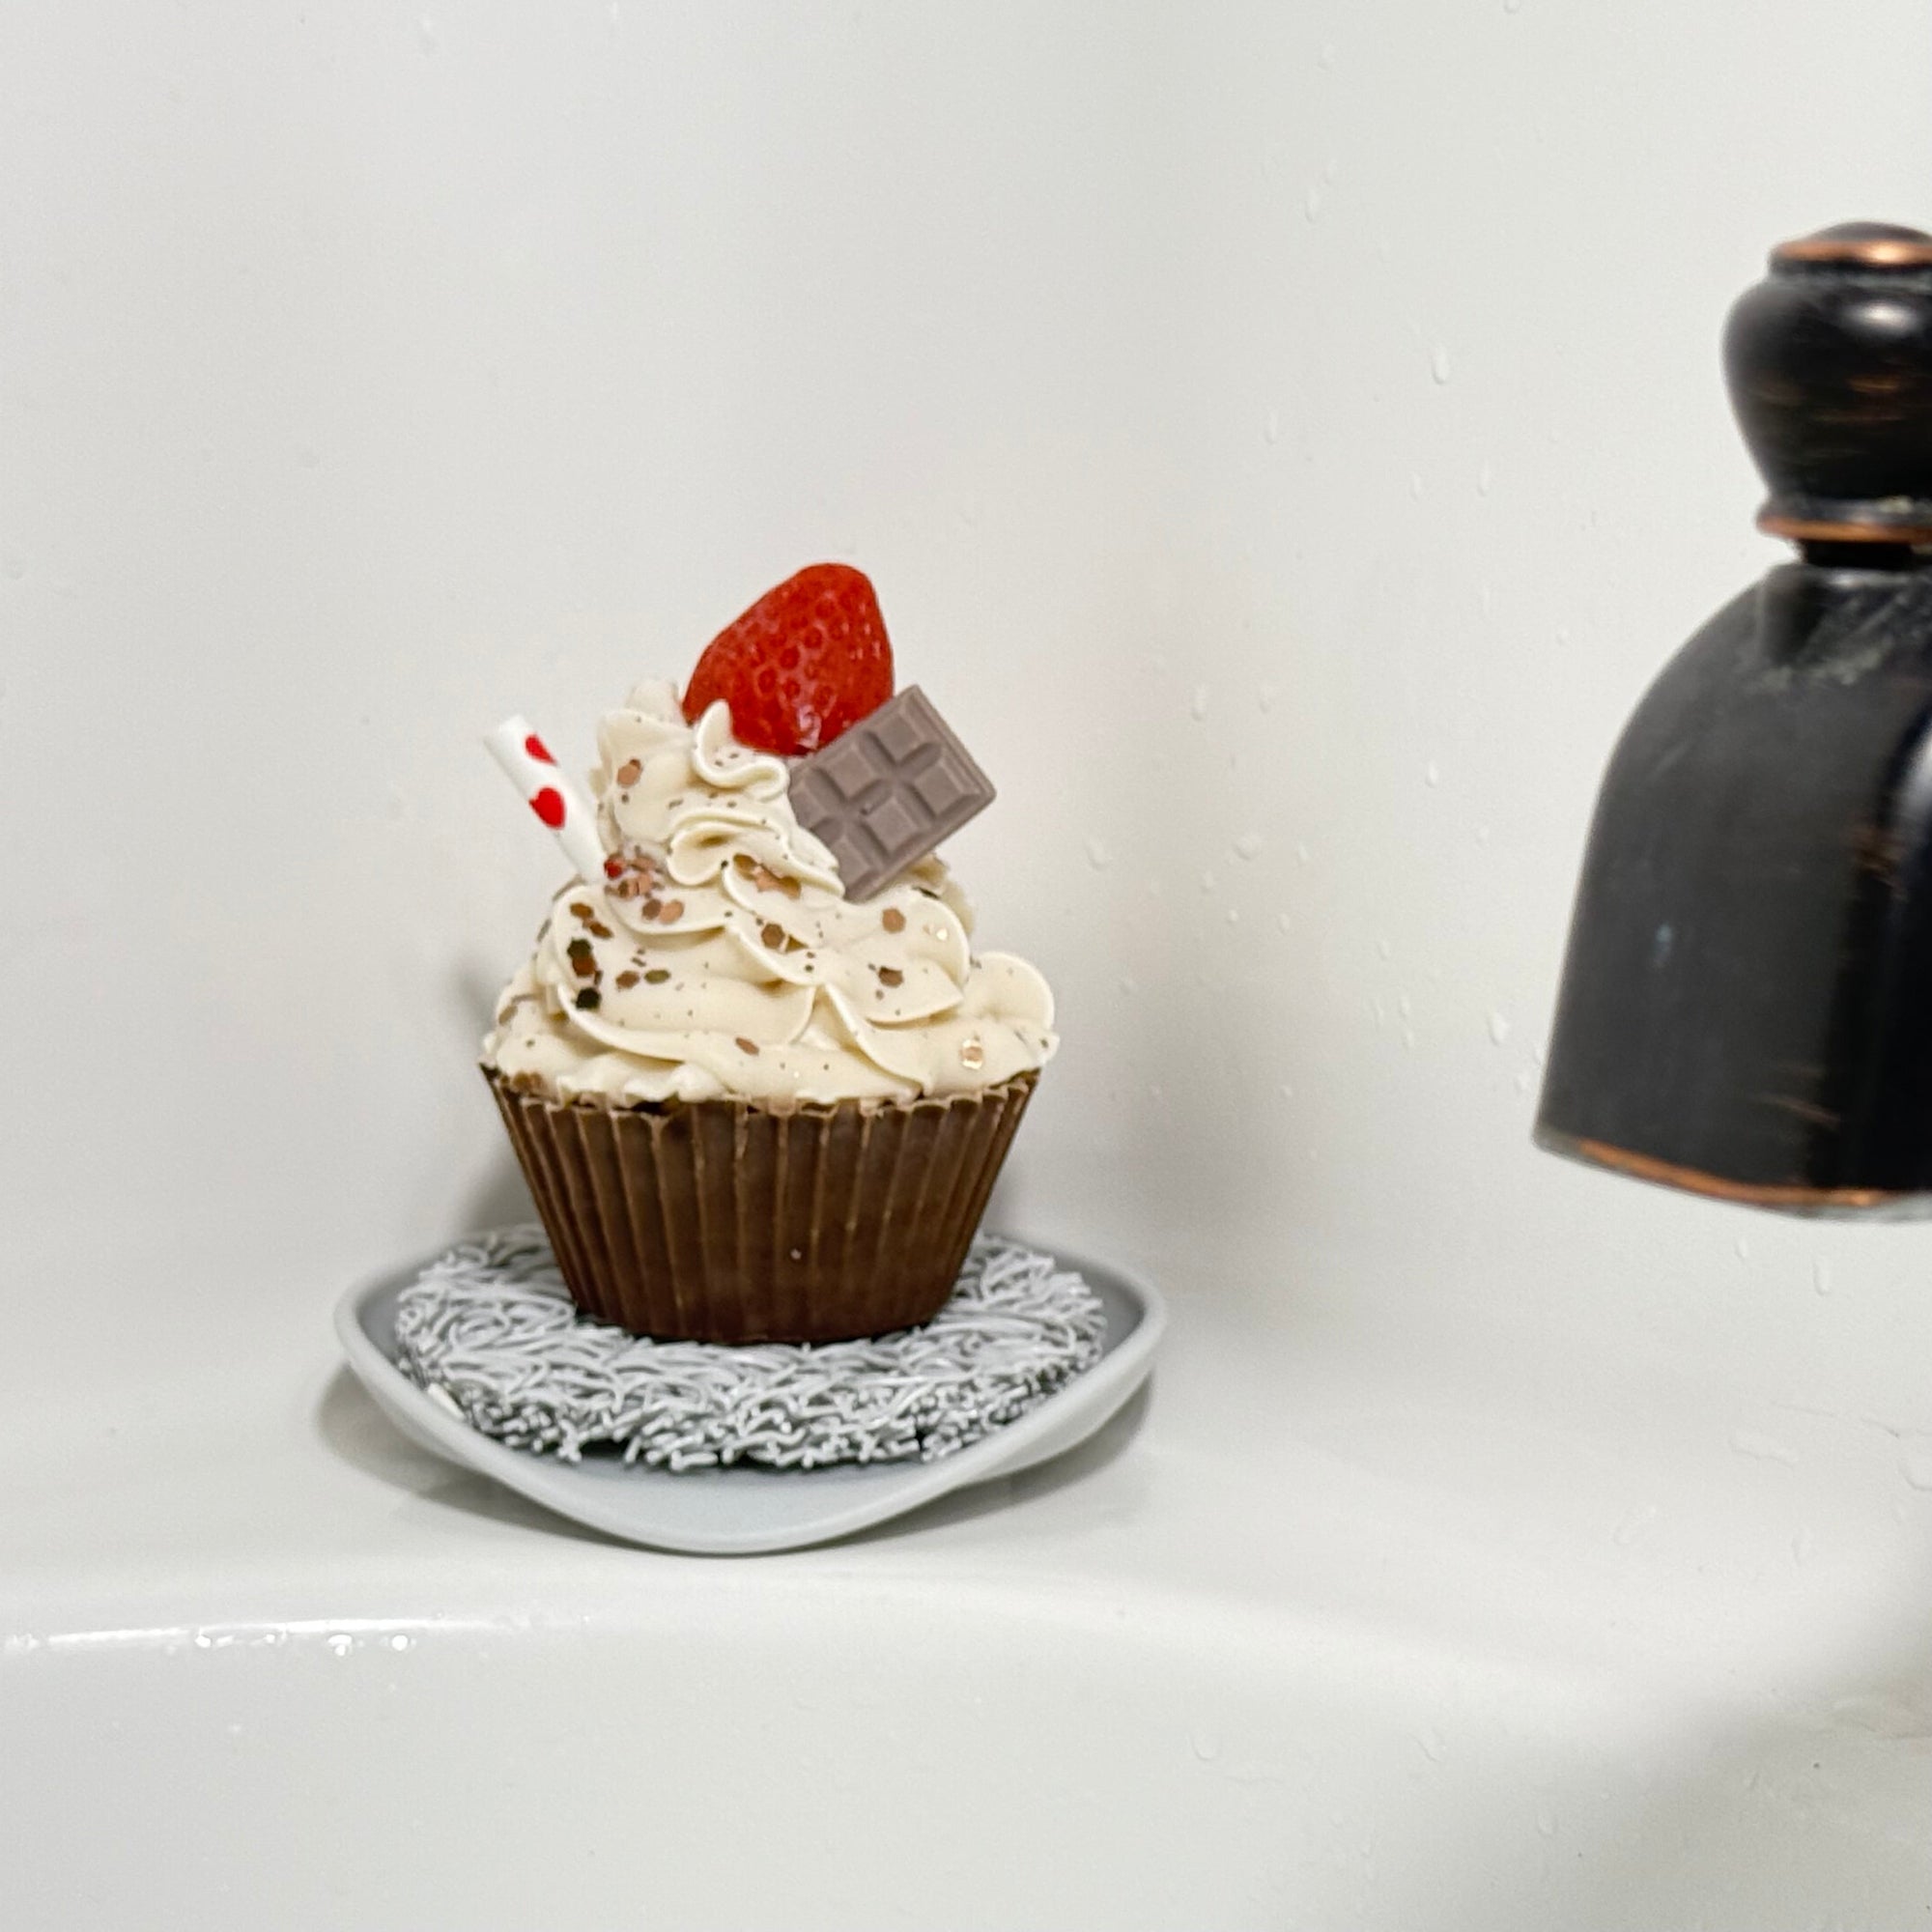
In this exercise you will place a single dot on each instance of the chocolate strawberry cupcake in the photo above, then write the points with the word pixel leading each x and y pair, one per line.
pixel 753 1106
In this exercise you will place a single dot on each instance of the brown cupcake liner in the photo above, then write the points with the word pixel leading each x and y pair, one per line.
pixel 721 1221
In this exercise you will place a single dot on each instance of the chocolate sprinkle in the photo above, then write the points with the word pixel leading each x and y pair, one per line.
pixel 672 909
pixel 773 935
pixel 657 975
pixel 589 999
pixel 582 910
pixel 892 976
pixel 630 772
pixel 893 920
pixel 626 979
pixel 747 1046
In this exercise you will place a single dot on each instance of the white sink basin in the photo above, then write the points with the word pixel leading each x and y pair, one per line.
pixel 1308 1641
pixel 754 1758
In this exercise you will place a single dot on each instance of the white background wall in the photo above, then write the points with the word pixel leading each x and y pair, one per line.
pixel 1287 430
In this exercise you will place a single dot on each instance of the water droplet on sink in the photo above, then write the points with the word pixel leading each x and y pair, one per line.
pixel 1207 882
pixel 1499 1029
pixel 1439 366
pixel 1097 855
pixel 1199 707
pixel 341 1644
pixel 1271 426
pixel 1432 774
pixel 1914 1464
pixel 1233 915
pixel 1821 1276
pixel 1310 205
pixel 1266 696
pixel 1744 1248
pixel 1384 948
pixel 1206 1746
pixel 1431 1744
pixel 1248 845
pixel 1546 1821
pixel 1486 479
pixel 400 1641
pixel 1281 919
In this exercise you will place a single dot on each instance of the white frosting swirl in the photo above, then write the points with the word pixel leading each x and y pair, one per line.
pixel 726 962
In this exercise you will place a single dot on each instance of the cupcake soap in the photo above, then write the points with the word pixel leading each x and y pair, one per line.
pixel 750 1105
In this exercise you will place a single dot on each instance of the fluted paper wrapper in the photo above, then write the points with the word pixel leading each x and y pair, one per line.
pixel 721 1221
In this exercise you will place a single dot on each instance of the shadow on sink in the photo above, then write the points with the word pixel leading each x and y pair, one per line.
pixel 355 1429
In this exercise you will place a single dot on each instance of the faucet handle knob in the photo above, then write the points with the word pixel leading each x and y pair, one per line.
pixel 1829 360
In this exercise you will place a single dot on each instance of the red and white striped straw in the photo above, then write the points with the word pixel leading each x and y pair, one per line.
pixel 554 800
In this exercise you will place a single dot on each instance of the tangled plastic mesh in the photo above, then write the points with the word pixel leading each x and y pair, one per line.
pixel 489 1331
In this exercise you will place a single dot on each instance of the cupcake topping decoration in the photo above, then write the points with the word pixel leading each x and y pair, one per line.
pixel 888 792
pixel 728 921
pixel 804 665
pixel 531 768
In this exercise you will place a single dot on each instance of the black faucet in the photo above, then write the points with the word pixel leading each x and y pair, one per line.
pixel 1746 1001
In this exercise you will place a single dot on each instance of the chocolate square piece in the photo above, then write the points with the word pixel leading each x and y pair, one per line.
pixel 883 794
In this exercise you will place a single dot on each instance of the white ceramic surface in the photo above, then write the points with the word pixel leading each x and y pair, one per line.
pixel 745 1512
pixel 1287 438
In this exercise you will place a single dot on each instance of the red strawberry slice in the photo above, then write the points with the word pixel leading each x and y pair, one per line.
pixel 804 662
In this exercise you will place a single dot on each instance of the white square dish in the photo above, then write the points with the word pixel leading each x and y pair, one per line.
pixel 742 1511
